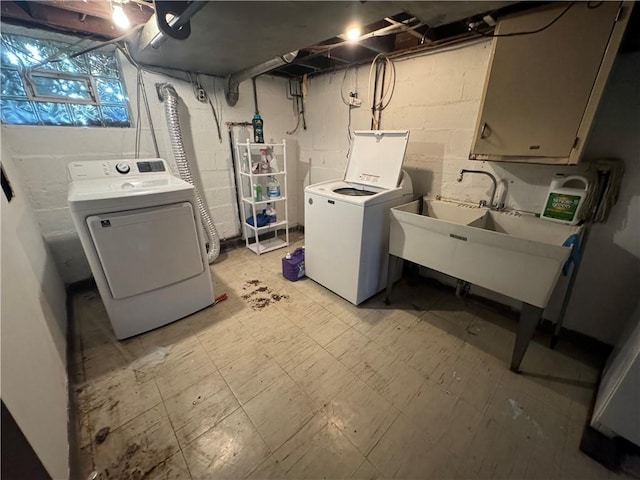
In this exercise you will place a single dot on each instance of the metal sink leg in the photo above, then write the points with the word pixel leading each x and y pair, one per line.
pixel 529 319
pixel 391 269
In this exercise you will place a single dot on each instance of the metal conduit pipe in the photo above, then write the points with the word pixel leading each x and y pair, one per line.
pixel 177 22
pixel 168 94
pixel 231 91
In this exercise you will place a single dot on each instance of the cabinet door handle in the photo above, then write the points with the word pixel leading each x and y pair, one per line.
pixel 484 131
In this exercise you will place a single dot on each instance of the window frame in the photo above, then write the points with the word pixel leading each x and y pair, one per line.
pixel 33 97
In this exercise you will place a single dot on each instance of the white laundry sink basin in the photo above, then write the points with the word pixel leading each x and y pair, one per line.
pixel 462 214
pixel 514 254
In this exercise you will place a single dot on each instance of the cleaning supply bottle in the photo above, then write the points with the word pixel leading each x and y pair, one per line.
pixel 264 161
pixel 258 132
pixel 563 203
pixel 270 212
pixel 273 187
pixel 245 162
pixel 293 265
pixel 273 163
pixel 257 192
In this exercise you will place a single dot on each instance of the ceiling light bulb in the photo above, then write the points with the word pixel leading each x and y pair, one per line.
pixel 353 34
pixel 120 18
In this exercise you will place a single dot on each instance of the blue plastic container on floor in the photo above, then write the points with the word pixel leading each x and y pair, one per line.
pixel 293 265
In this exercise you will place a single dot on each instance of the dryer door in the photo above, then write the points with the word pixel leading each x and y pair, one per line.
pixel 145 249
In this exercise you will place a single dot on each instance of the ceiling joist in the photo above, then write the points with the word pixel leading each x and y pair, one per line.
pixel 136 12
pixel 390 28
pixel 87 17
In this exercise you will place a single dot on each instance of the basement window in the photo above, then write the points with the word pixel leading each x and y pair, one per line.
pixel 44 84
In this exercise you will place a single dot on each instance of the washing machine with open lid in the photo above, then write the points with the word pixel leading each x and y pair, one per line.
pixel 347 220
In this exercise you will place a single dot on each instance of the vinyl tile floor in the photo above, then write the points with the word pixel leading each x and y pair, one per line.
pixel 288 380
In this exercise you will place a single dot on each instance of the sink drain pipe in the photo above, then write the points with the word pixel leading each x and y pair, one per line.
pixel 168 94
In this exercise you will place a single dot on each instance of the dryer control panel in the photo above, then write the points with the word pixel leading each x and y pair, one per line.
pixel 116 168
pixel 150 166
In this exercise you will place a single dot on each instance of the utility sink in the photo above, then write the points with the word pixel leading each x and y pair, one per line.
pixel 514 254
pixel 526 227
pixel 459 213
pixel 518 255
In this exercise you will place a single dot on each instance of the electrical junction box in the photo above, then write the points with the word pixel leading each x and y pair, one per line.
pixel 354 101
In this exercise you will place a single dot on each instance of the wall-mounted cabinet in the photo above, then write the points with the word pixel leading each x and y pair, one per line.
pixel 542 89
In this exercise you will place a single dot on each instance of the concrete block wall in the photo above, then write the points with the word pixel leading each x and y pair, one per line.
pixel 42 153
pixel 437 97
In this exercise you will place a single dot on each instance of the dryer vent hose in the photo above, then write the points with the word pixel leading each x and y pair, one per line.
pixel 170 97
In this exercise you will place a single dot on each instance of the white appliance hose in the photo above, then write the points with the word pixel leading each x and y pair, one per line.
pixel 170 98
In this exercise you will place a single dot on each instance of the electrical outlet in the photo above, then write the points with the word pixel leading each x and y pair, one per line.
pixel 355 101
pixel 201 95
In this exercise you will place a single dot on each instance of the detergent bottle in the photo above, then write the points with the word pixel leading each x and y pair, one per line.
pixel 258 125
pixel 293 265
pixel 563 203
pixel 273 187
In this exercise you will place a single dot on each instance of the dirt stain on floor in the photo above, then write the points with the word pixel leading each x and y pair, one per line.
pixel 137 463
pixel 259 296
pixel 102 435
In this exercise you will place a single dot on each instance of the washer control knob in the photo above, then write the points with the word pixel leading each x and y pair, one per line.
pixel 123 167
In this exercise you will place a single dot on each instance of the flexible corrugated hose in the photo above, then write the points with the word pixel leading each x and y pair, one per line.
pixel 170 98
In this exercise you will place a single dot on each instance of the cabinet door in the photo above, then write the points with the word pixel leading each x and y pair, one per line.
pixel 539 85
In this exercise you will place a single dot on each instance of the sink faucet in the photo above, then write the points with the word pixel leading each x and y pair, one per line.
pixel 483 203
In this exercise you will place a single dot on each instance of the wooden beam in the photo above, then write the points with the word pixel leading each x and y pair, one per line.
pixel 24 6
pixel 405 40
pixel 93 8
pixel 100 9
pixel 58 19
pixel 14 10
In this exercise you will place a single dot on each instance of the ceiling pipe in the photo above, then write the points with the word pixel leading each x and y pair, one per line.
pixel 176 22
pixel 406 28
pixel 395 27
pixel 232 92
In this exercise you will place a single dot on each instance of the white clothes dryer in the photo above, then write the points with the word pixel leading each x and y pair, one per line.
pixel 347 220
pixel 140 229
